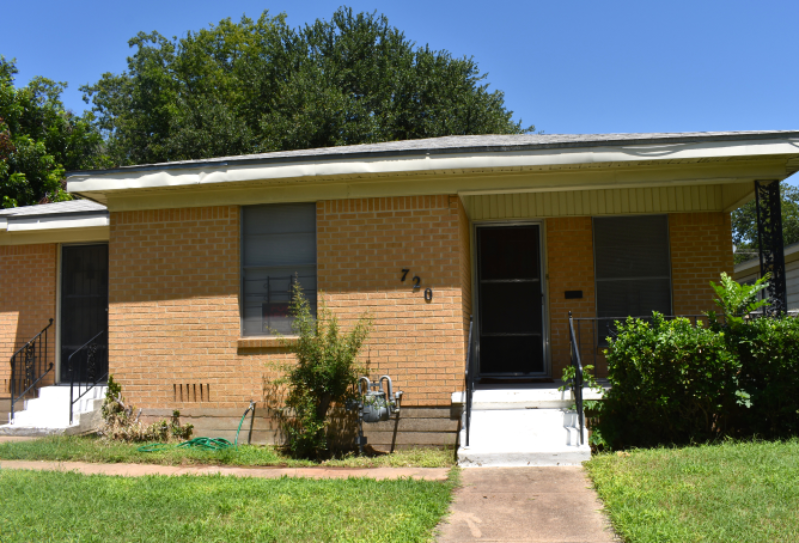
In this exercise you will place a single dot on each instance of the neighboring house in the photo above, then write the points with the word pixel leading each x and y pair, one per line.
pixel 748 272
pixel 515 230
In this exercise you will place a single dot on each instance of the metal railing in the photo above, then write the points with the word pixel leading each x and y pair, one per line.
pixel 86 375
pixel 469 378
pixel 29 366
pixel 577 380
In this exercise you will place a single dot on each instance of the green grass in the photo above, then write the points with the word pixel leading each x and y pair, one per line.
pixel 53 506
pixel 87 449
pixel 735 492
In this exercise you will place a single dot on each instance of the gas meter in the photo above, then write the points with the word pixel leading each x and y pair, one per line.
pixel 375 404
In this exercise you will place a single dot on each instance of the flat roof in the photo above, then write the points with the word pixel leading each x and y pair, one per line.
pixel 57 208
pixel 461 145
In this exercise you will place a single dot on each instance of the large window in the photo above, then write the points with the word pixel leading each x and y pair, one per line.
pixel 278 248
pixel 633 269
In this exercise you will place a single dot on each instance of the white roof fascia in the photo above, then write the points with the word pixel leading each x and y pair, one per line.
pixel 214 174
pixel 3 223
pixel 56 222
pixel 791 253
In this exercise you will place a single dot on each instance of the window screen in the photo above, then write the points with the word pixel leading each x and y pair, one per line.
pixel 278 248
pixel 633 272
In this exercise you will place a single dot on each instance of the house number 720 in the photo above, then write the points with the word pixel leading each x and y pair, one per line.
pixel 417 283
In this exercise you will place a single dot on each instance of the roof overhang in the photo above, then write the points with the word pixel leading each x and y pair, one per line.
pixel 752 266
pixel 54 228
pixel 464 171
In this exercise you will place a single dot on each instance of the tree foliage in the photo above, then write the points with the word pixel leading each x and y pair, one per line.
pixel 39 141
pixel 744 224
pixel 259 86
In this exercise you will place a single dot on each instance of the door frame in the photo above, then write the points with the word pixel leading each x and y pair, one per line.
pixel 59 273
pixel 544 272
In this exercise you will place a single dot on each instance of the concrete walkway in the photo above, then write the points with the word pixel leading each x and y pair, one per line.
pixel 537 505
pixel 138 470
pixel 15 439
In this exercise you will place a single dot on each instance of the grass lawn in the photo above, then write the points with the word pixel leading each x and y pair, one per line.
pixel 88 449
pixel 735 492
pixel 65 506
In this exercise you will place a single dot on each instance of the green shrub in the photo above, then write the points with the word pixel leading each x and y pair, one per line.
pixel 324 375
pixel 736 300
pixel 769 352
pixel 671 382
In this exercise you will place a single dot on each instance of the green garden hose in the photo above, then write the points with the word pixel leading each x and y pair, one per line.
pixel 202 443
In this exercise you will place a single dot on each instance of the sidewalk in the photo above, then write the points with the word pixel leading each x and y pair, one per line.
pixel 138 470
pixel 535 505
pixel 14 439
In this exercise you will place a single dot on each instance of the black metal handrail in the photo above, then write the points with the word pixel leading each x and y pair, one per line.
pixel 92 349
pixel 577 380
pixel 28 366
pixel 469 378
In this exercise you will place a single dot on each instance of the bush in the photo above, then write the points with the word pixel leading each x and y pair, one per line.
pixel 120 424
pixel 671 382
pixel 769 352
pixel 325 374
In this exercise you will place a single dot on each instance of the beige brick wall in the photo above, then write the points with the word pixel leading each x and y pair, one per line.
pixel 570 266
pixel 173 309
pixel 174 285
pixel 701 248
pixel 174 276
pixel 362 247
pixel 27 301
pixel 465 245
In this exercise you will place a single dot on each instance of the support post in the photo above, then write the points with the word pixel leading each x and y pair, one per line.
pixel 769 237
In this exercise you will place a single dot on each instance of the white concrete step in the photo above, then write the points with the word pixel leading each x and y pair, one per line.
pixel 49 412
pixel 523 437
pixel 527 396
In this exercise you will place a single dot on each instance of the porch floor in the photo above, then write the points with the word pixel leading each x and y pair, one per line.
pixel 524 396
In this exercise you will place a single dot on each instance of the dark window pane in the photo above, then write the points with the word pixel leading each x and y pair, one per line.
pixel 632 266
pixel 511 354
pixel 633 298
pixel 511 307
pixel 509 252
pixel 278 248
pixel 628 247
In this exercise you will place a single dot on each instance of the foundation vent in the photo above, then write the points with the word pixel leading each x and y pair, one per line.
pixel 192 392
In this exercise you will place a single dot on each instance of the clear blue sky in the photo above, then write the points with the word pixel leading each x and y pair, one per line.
pixel 566 67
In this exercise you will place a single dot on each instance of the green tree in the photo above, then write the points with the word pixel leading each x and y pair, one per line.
pixel 259 86
pixel 744 224
pixel 39 141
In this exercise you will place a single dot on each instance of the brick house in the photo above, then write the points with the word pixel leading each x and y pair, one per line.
pixel 185 266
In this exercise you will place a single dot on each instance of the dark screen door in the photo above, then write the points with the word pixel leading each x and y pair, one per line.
pixel 511 304
pixel 84 311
